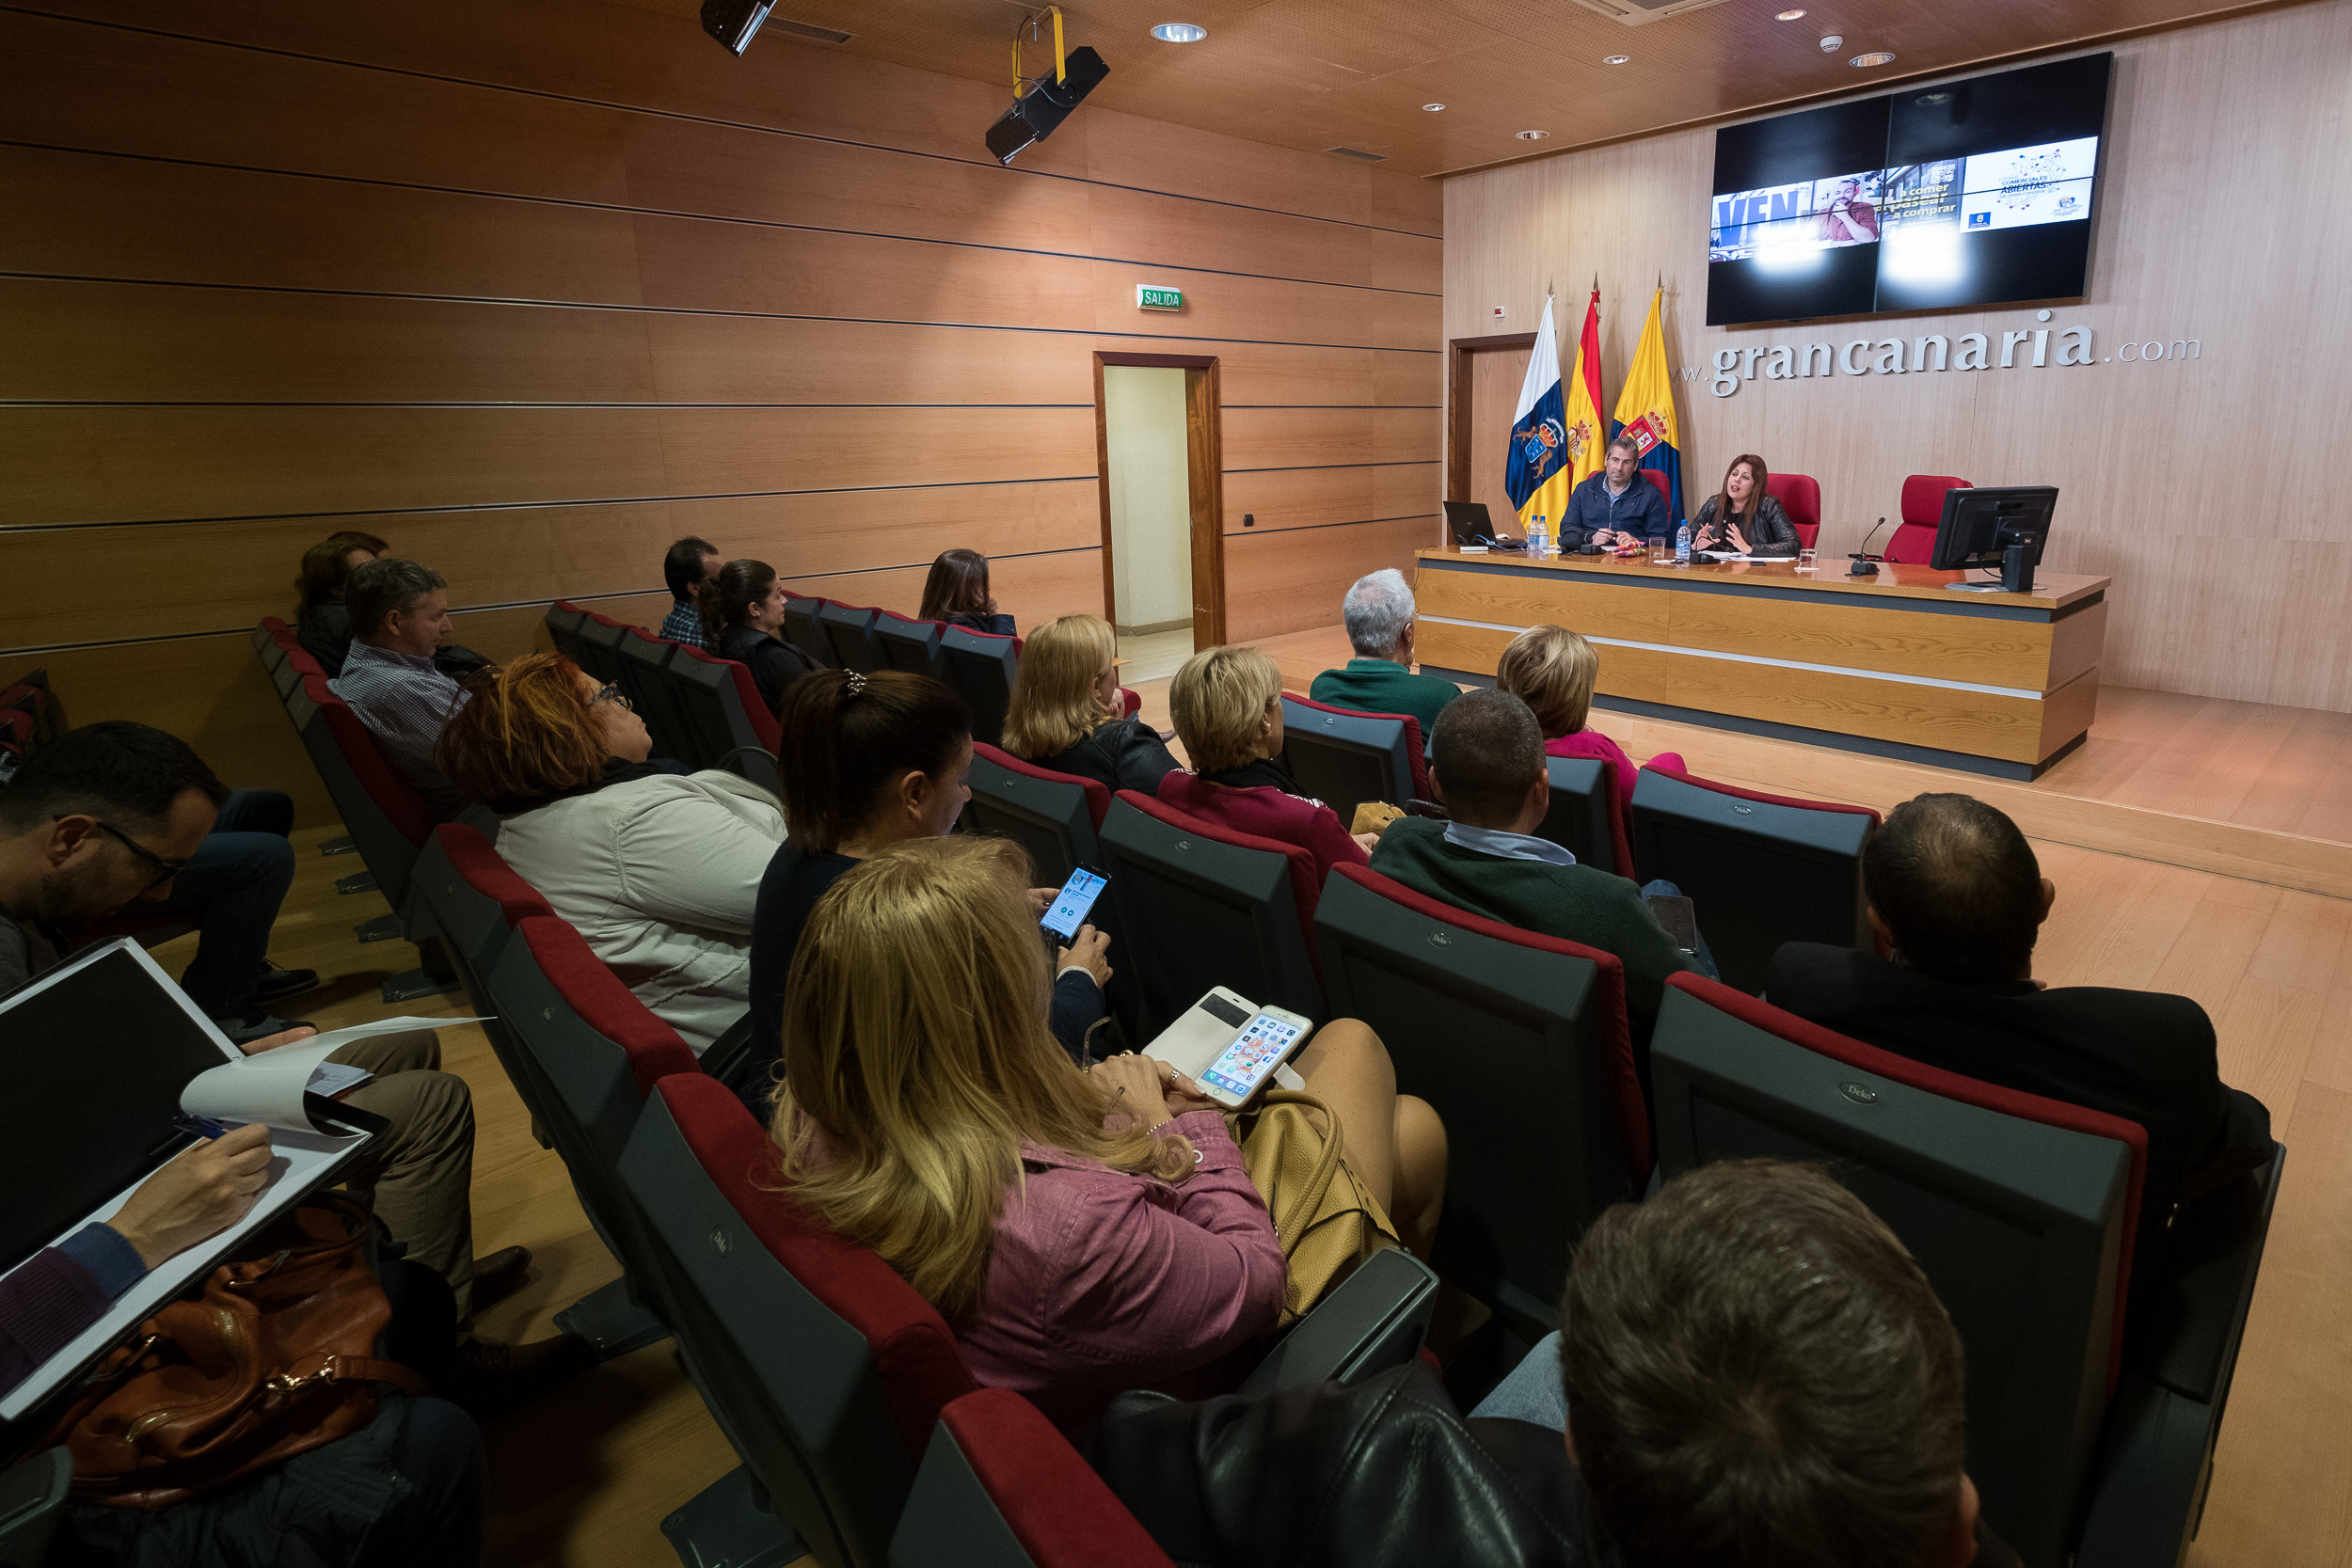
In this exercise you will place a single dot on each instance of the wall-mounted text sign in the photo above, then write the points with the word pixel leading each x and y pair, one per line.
pixel 2029 348
pixel 1150 296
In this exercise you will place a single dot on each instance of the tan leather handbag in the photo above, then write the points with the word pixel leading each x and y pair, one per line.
pixel 1326 1219
pixel 275 1358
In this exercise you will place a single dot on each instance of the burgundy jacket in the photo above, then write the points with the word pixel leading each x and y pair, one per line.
pixel 1267 810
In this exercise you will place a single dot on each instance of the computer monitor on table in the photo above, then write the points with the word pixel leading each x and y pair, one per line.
pixel 1471 525
pixel 2000 528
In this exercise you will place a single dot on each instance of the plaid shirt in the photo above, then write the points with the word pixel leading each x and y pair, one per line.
pixel 404 701
pixel 683 626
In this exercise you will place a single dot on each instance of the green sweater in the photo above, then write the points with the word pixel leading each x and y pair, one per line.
pixel 1384 686
pixel 1572 902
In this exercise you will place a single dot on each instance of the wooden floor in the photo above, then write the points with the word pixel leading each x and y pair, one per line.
pixel 2221 912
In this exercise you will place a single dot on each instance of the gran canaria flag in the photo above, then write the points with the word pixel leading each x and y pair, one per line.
pixel 1645 410
pixel 1535 475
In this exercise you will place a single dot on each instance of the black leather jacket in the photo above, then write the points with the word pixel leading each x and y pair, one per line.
pixel 1382 1475
pixel 1125 753
pixel 1769 531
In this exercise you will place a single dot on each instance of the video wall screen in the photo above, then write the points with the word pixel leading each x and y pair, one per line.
pixel 1965 193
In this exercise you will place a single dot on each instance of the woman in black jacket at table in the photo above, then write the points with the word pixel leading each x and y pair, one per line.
pixel 1741 518
pixel 1067 714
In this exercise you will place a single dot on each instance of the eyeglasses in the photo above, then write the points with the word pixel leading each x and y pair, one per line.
pixel 166 870
pixel 613 694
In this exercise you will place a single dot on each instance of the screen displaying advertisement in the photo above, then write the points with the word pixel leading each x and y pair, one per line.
pixel 1246 1064
pixel 1075 902
pixel 1967 193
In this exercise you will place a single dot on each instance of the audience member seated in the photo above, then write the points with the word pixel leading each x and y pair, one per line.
pixel 406 1488
pixel 1740 517
pixel 660 872
pixel 1617 508
pixel 1228 707
pixel 957 592
pixel 1751 1372
pixel 1489 771
pixel 320 623
pixel 103 818
pixel 741 608
pixel 1067 714
pixel 399 615
pixel 1380 679
pixel 1553 670
pixel 690 563
pixel 1957 900
pixel 1086 1232
pixel 871 761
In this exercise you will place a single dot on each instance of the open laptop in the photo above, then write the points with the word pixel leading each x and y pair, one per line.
pixel 1472 526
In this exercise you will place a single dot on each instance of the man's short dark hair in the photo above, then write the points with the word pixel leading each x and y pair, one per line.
pixel 1487 751
pixel 1628 442
pixel 682 568
pixel 379 587
pixel 1959 886
pixel 128 774
pixel 1757 1372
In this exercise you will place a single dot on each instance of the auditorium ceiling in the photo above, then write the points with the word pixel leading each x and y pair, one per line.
pixel 1315 74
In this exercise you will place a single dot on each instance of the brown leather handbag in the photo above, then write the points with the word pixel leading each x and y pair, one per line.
pixel 275 1358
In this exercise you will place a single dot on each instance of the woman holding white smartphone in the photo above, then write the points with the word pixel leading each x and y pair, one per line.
pixel 1084 1232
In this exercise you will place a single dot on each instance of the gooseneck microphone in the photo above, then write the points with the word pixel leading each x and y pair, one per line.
pixel 1865 564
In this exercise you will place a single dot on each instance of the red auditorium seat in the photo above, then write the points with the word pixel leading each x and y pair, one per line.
pixel 1054 816
pixel 1914 542
pixel 1344 756
pixel 999 1485
pixel 1800 498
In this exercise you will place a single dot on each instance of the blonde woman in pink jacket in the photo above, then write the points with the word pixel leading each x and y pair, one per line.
pixel 1084 1232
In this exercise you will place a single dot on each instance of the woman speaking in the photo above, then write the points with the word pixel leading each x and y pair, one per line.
pixel 1740 518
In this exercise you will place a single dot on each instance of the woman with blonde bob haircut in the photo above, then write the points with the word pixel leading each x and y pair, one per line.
pixel 1067 714
pixel 1228 707
pixel 658 869
pixel 1085 1232
pixel 1552 671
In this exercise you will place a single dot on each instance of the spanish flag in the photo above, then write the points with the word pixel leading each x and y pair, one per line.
pixel 1535 474
pixel 1645 410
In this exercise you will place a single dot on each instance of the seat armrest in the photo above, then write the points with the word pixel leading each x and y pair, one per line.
pixel 2189 1339
pixel 2147 1489
pixel 723 1056
pixel 31 1492
pixel 1373 1319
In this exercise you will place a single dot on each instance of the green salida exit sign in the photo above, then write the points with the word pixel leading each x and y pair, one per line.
pixel 1150 297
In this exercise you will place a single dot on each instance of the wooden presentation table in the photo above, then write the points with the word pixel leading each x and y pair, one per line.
pixel 1898 665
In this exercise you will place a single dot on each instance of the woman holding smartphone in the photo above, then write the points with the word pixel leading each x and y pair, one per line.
pixel 1084 1232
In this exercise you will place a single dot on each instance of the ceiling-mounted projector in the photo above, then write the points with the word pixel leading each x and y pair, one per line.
pixel 1046 104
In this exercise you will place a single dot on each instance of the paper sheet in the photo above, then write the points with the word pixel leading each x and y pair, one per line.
pixel 269 1087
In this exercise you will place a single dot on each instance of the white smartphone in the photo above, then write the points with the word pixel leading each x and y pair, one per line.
pixel 1241 1069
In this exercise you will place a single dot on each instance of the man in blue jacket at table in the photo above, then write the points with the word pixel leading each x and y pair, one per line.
pixel 1617 507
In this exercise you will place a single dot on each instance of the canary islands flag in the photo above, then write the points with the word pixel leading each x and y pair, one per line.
pixel 1535 474
pixel 1645 410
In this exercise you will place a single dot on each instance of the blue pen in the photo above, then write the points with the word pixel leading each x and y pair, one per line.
pixel 203 1127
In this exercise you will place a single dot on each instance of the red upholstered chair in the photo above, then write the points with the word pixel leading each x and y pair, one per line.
pixel 1657 482
pixel 16 729
pixel 1054 816
pixel 910 645
pixel 1914 542
pixel 1200 906
pixel 474 900
pixel 1520 1037
pixel 600 639
pixel 1344 756
pixel 720 703
pixel 822 1366
pixel 851 643
pixel 1586 818
pixel 1130 702
pixel 563 620
pixel 999 1485
pixel 982 667
pixel 644 659
pixel 2021 1210
pixel 1800 498
pixel 1760 869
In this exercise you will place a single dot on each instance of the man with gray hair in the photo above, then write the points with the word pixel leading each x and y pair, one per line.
pixel 1380 679
pixel 399 614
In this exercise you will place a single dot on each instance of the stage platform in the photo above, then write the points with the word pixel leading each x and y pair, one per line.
pixel 2246 791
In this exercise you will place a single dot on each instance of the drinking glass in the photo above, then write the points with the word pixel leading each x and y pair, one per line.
pixel 1662 550
pixel 1805 560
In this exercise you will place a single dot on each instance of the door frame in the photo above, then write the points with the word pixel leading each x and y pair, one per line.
pixel 1204 464
pixel 1457 416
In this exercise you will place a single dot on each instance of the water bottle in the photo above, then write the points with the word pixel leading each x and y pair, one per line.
pixel 1682 545
pixel 1539 537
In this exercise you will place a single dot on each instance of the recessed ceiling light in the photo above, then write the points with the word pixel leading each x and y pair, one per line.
pixel 1830 43
pixel 1534 136
pixel 1788 16
pixel 1615 59
pixel 1865 61
pixel 1431 108
pixel 1180 32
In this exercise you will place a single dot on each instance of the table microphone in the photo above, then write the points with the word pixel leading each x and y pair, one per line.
pixel 1865 564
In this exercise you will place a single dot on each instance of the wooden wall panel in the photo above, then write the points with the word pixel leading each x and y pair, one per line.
pixel 2206 488
pixel 1294 579
pixel 532 290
